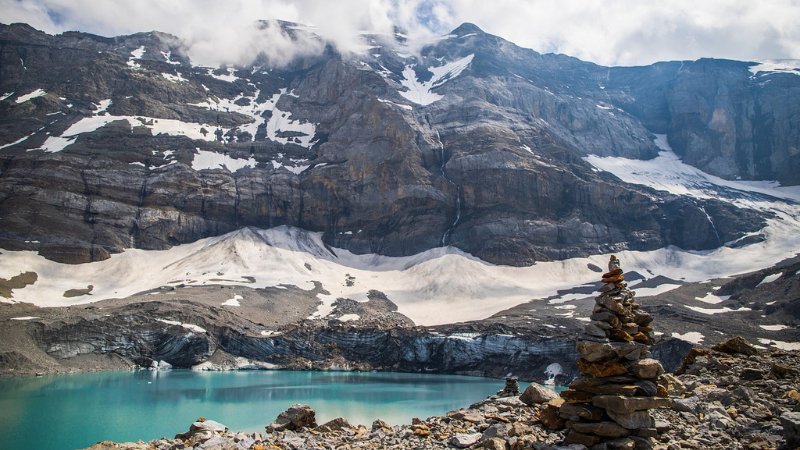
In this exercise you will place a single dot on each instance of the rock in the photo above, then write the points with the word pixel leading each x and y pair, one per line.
pixel 495 444
pixel 751 373
pixel 607 429
pixel 467 415
pixel 550 418
pixel 536 394
pixel 584 411
pixel 632 420
pixel 782 371
pixel 736 344
pixel 296 417
pixel 573 396
pixel 645 368
pixel 575 437
pixel 497 430
pixel 672 384
pixel 791 428
pixel 208 425
pixel 622 404
pixel 379 424
pixel 464 440
pixel 689 404
pixel 601 369
pixel 336 424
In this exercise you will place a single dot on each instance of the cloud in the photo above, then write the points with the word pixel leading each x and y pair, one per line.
pixel 610 32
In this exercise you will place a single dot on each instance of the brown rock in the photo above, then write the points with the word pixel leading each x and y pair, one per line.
pixel 572 396
pixel 612 273
pixel 495 444
pixel 337 424
pixel 647 368
pixel 645 329
pixel 583 411
pixel 467 415
pixel 574 437
pixel 643 338
pixel 643 319
pixel 296 417
pixel 736 344
pixel 608 317
pixel 783 371
pixel 618 403
pixel 607 429
pixel 549 418
pixel 536 394
pixel 619 335
pixel 671 385
pixel 601 369
pixel 614 279
pixel 520 429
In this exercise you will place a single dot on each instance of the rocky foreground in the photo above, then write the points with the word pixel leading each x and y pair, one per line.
pixel 731 396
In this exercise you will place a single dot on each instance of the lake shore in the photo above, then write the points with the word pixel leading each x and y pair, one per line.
pixel 719 400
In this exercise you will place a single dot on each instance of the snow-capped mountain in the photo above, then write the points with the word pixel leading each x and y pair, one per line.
pixel 461 180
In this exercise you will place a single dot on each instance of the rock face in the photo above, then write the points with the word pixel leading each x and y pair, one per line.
pixel 612 403
pixel 108 144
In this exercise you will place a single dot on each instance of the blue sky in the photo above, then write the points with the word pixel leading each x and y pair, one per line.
pixel 609 32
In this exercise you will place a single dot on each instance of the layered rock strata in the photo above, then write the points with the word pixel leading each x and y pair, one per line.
pixel 609 407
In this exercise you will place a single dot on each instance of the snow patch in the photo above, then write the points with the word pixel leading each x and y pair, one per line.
pixel 788 346
pixel 31 96
pixel 230 77
pixel 712 311
pixel 135 55
pixel 6 95
pixel 233 301
pixel 420 92
pixel 349 317
pixel 24 318
pixel 769 279
pixel 774 327
pixel 206 160
pixel 174 78
pixel 712 299
pixel 693 336
pixel 776 66
pixel 407 107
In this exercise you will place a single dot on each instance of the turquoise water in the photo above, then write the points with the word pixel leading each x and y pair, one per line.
pixel 75 411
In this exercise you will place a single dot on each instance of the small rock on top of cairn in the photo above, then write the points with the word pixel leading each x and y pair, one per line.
pixel 610 404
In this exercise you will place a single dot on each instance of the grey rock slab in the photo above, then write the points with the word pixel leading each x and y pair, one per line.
pixel 465 440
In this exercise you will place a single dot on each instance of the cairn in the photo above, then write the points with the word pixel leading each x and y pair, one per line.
pixel 511 388
pixel 609 407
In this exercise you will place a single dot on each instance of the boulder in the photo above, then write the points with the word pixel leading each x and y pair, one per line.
pixel 736 344
pixel 601 369
pixel 588 412
pixel 632 420
pixel 495 444
pixel 647 368
pixel 536 394
pixel 550 418
pixel 337 424
pixel 618 403
pixel 791 428
pixel 606 429
pixel 464 440
pixel 296 417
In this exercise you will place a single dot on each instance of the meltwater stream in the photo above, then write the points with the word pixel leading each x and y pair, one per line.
pixel 75 411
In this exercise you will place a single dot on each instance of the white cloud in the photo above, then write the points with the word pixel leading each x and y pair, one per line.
pixel 618 32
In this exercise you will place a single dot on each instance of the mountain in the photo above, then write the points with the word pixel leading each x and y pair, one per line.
pixel 464 194
pixel 116 143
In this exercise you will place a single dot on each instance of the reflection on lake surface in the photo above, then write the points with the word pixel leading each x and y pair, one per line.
pixel 75 411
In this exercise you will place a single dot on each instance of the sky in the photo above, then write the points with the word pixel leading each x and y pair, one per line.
pixel 607 32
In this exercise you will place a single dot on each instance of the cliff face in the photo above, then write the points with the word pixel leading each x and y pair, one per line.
pixel 109 144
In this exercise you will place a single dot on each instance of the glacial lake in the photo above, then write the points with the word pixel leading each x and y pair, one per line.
pixel 65 412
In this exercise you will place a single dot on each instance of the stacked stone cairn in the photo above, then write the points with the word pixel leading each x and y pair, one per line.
pixel 511 389
pixel 609 407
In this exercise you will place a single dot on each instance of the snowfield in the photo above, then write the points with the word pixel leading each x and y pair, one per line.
pixel 441 285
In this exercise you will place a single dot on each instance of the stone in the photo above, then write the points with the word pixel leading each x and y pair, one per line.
pixel 751 374
pixel 601 369
pixel 791 428
pixel 584 411
pixel 647 368
pixel 465 440
pixel 575 437
pixel 497 430
pixel 614 279
pixel 467 415
pixel 550 418
pixel 643 319
pixel 495 444
pixel 632 420
pixel 337 424
pixel 612 273
pixel 672 384
pixel 208 425
pixel 573 396
pixel 607 288
pixel 296 417
pixel 536 394
pixel 379 424
pixel 620 335
pixel 782 371
pixel 736 344
pixel 620 403
pixel 594 329
pixel 613 304
pixel 607 429
pixel 623 443
pixel 643 338
pixel 520 429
